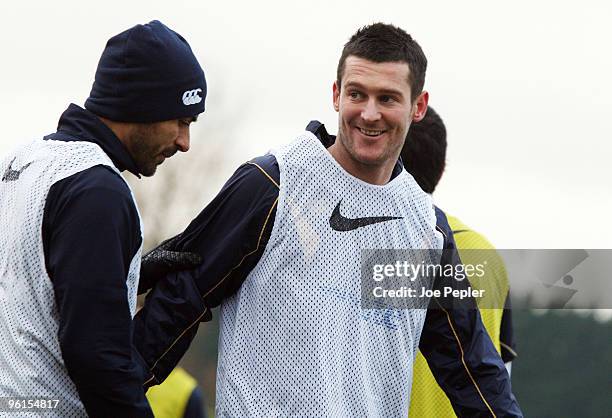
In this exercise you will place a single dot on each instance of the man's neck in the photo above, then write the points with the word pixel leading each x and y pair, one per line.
pixel 120 129
pixel 374 174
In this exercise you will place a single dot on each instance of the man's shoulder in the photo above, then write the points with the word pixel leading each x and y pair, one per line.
pixel 98 179
pixel 253 179
pixel 466 237
pixel 98 189
pixel 442 224
pixel 264 168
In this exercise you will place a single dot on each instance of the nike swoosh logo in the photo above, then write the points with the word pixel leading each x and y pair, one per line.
pixel 343 224
pixel 13 175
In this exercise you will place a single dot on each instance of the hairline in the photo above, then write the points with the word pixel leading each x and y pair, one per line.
pixel 408 78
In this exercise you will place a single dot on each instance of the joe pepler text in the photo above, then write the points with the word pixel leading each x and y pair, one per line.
pixel 407 292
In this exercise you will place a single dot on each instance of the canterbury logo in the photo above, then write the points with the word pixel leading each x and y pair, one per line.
pixel 191 97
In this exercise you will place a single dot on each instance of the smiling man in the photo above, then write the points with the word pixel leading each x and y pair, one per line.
pixel 375 108
pixel 70 233
pixel 282 246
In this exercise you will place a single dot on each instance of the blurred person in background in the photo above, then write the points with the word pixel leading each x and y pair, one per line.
pixel 424 157
pixel 71 236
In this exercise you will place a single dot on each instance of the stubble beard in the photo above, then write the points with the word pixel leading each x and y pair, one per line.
pixel 349 144
pixel 143 153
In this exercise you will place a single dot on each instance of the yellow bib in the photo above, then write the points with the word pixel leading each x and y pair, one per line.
pixel 169 399
pixel 427 399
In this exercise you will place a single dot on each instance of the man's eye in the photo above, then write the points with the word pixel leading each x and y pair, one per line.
pixel 354 95
pixel 386 99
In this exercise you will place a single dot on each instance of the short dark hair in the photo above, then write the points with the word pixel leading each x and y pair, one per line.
pixel 381 42
pixel 424 151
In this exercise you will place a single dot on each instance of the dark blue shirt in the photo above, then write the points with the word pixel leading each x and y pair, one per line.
pixel 231 234
pixel 90 233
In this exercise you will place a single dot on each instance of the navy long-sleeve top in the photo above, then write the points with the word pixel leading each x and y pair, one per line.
pixel 91 232
pixel 231 234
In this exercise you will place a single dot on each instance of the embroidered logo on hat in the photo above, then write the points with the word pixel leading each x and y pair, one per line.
pixel 191 97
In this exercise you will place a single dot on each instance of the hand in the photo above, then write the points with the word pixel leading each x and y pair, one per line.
pixel 162 260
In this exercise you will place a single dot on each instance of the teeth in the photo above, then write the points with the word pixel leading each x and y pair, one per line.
pixel 370 133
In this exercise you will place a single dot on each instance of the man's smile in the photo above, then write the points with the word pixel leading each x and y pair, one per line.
pixel 372 133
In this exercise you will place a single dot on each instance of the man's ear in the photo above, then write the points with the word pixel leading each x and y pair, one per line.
pixel 420 106
pixel 336 95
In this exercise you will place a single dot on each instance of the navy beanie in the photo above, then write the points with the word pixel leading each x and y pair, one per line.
pixel 147 74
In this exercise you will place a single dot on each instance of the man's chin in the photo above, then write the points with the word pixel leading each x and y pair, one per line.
pixel 370 159
pixel 374 156
pixel 148 171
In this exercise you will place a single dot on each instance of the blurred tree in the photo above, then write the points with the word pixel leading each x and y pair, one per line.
pixel 564 367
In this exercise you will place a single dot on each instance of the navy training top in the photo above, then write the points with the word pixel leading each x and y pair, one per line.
pixel 91 232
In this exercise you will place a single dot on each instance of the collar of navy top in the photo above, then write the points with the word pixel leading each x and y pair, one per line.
pixel 78 124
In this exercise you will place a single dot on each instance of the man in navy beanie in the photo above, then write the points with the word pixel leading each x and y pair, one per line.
pixel 71 236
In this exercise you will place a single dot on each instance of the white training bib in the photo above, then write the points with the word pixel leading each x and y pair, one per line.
pixel 294 340
pixel 30 357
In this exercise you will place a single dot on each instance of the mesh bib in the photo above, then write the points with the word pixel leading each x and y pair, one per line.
pixel 30 356
pixel 294 340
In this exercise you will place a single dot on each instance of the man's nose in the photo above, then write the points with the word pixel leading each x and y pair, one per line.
pixel 370 112
pixel 182 141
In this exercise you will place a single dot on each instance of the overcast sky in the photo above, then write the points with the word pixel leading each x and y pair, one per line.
pixel 524 88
